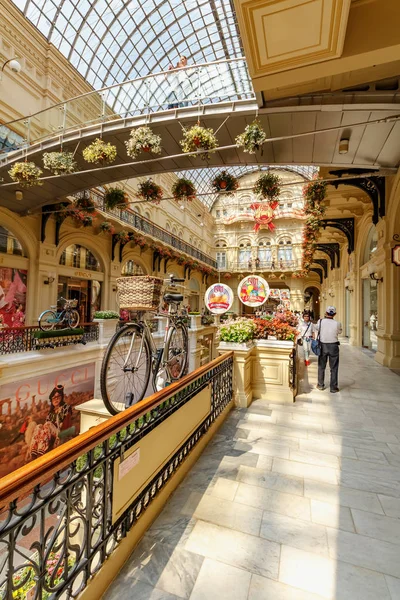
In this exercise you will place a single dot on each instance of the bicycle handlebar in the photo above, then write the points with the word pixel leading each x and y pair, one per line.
pixel 173 279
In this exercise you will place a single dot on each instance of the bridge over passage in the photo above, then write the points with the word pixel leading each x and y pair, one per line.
pixel 220 94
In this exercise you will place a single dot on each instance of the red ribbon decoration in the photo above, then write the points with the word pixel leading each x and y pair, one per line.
pixel 264 214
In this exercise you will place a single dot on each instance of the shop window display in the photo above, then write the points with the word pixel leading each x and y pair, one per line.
pixel 12 296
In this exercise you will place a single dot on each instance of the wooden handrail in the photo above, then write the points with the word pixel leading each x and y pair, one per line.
pixel 22 481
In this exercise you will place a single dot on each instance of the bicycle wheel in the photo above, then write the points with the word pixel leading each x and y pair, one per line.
pixel 176 351
pixel 125 370
pixel 73 319
pixel 48 320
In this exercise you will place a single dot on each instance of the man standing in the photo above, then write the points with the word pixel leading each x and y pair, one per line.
pixel 328 331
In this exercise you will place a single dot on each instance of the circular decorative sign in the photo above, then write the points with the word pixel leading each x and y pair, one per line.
pixel 218 298
pixel 253 291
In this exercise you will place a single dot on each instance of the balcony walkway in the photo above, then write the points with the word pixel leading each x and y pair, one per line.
pixel 294 502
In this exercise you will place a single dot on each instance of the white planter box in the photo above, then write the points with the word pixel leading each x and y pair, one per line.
pixel 236 345
pixel 273 344
pixel 107 328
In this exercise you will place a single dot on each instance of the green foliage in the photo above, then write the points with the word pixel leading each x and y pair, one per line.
pixel 252 139
pixel 115 196
pixel 150 191
pixel 59 162
pixel 183 189
pixel 40 335
pixel 225 182
pixel 239 331
pixel 268 186
pixel 106 314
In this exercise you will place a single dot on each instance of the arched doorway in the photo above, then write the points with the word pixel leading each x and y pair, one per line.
pixel 311 302
pixel 81 278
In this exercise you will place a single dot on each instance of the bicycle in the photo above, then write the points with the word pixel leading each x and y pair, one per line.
pixel 49 318
pixel 132 356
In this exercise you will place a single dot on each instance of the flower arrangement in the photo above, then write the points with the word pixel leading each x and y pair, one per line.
pixel 181 260
pixel 279 327
pixel 106 314
pixel 142 139
pixel 268 186
pixel 198 138
pixel 183 189
pixel 115 196
pixel 227 275
pixel 314 193
pixel 282 276
pixel 252 139
pixel 123 236
pixel 59 162
pixel 237 331
pixel 87 220
pixel 54 574
pixel 225 182
pixel 100 152
pixel 150 191
pixel 85 203
pixel 107 227
pixel 27 174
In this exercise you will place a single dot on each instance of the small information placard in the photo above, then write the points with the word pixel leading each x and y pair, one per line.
pixel 128 464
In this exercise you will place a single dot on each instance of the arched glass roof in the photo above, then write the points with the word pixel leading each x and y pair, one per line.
pixel 110 41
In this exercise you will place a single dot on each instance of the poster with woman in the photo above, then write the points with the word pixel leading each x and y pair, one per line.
pixel 37 414
pixel 12 296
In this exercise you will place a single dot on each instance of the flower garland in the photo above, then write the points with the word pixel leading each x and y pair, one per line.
pixel 314 194
pixel 107 227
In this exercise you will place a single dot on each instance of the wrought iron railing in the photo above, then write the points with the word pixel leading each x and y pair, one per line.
pixel 23 339
pixel 293 371
pixel 64 499
pixel 146 226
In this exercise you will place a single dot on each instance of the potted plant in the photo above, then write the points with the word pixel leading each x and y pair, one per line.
pixel 100 152
pixel 59 162
pixel 183 189
pixel 268 186
pixel 239 331
pixel 115 196
pixel 85 203
pixel 123 236
pixel 107 227
pixel 224 181
pixel 107 322
pixel 87 220
pixel 27 174
pixel 252 139
pixel 142 139
pixel 198 138
pixel 150 191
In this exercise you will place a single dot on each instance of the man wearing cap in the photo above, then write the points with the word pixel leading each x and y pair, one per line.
pixel 329 330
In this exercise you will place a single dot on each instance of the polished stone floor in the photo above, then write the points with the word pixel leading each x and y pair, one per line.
pixel 288 502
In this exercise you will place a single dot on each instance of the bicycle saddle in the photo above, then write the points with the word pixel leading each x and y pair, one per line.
pixel 173 297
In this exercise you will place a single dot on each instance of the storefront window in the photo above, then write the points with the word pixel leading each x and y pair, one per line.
pixel 371 244
pixel 9 244
pixel 79 257
pixel 86 292
pixel 130 268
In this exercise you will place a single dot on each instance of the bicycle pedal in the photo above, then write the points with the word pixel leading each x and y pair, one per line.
pixel 129 400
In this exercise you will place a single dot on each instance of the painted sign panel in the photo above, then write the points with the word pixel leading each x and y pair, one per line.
pixel 275 293
pixel 285 294
pixel 37 414
pixel 218 298
pixel 253 291
pixel 12 296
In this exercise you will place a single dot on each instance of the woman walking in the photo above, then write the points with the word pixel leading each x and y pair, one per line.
pixel 306 334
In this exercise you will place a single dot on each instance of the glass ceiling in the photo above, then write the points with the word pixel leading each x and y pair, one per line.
pixel 202 178
pixel 110 41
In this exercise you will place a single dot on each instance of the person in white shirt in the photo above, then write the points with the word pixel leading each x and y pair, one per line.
pixel 328 331
pixel 306 332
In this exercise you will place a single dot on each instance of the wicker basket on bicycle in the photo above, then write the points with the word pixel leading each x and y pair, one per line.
pixel 139 292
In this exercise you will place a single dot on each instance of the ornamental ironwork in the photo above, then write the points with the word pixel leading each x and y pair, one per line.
pixel 346 226
pixel 69 516
pixel 324 264
pixel 318 272
pixel 333 251
pixel 374 187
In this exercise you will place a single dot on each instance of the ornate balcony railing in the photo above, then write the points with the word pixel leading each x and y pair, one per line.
pixel 144 225
pixel 255 267
pixel 24 339
pixel 66 500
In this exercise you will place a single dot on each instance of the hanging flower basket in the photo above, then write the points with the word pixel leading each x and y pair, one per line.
pixel 150 191
pixel 268 186
pixel 225 182
pixel 107 227
pixel 252 139
pixel 123 236
pixel 99 152
pixel 183 189
pixel 85 203
pixel 227 275
pixel 114 197
pixel 59 162
pixel 314 192
pixel 27 174
pixel 87 221
pixel 142 139
pixel 282 276
pixel 199 138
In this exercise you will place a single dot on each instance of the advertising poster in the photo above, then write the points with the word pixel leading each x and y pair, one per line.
pixel 253 291
pixel 37 414
pixel 285 294
pixel 275 293
pixel 218 298
pixel 286 304
pixel 12 296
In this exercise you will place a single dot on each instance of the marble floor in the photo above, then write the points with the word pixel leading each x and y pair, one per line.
pixel 288 502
